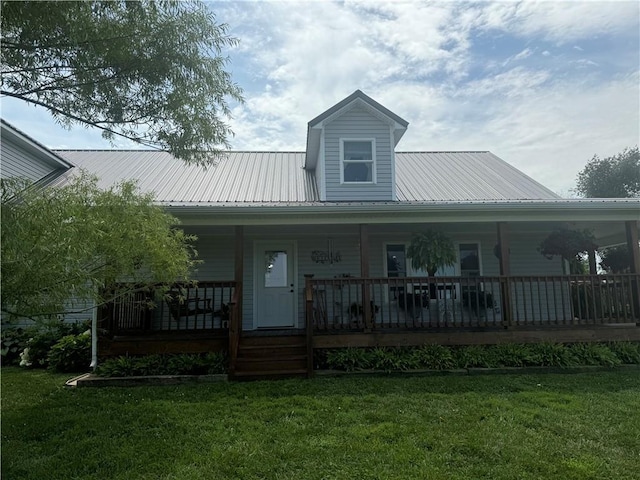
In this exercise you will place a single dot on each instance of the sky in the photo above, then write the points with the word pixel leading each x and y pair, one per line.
pixel 543 85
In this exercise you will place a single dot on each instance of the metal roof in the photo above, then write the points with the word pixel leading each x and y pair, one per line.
pixel 272 178
pixel 422 176
pixel 239 177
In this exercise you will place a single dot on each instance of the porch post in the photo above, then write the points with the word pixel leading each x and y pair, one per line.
pixel 634 259
pixel 593 266
pixel 364 273
pixel 505 272
pixel 632 244
pixel 235 324
pixel 239 266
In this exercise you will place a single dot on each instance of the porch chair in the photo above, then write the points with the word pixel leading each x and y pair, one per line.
pixel 182 306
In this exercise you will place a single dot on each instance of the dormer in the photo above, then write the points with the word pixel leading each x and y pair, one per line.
pixel 351 148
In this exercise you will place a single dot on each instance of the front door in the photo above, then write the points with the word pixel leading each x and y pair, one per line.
pixel 275 285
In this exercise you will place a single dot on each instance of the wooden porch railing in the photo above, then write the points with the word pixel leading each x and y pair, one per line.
pixel 335 305
pixel 205 306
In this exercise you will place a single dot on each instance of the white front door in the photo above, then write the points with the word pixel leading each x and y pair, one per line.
pixel 275 285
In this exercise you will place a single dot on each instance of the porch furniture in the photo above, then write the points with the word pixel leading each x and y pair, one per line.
pixel 413 303
pixel 182 306
pixel 476 301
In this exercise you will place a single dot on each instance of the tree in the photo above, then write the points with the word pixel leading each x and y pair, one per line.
pixel 74 241
pixel 152 72
pixel 611 177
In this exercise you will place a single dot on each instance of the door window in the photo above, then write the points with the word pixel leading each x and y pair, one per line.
pixel 275 274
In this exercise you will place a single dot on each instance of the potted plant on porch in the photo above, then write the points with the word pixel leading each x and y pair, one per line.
pixel 431 250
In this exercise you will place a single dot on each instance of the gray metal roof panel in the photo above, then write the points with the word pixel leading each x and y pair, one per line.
pixel 278 177
pixel 238 177
pixel 457 176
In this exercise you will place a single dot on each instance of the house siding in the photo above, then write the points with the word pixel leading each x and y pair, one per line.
pixel 16 163
pixel 358 123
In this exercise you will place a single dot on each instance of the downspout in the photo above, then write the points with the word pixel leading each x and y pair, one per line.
pixel 94 339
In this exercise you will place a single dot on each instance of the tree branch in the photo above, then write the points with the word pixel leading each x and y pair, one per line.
pixel 140 140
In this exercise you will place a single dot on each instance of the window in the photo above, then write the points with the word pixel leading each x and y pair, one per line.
pixel 276 269
pixel 358 161
pixel 469 260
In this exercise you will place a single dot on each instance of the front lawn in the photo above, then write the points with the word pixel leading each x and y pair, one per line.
pixel 564 426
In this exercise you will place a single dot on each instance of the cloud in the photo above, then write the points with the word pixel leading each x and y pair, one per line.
pixel 544 85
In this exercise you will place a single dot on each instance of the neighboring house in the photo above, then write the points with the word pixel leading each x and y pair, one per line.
pixel 22 157
pixel 307 250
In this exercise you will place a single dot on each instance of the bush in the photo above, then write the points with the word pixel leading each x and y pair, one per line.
pixel 434 357
pixel 13 341
pixel 594 354
pixel 551 355
pixel 473 356
pixel 510 355
pixel 626 352
pixel 44 337
pixel 349 359
pixel 182 364
pixel 71 353
pixel 440 357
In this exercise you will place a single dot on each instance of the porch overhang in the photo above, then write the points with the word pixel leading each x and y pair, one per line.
pixel 321 213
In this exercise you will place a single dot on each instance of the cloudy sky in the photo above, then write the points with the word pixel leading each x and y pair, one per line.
pixel 544 86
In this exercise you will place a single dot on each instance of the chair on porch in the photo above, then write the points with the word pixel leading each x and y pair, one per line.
pixel 184 306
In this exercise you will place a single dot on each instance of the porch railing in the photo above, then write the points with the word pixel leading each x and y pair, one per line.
pixel 204 306
pixel 469 302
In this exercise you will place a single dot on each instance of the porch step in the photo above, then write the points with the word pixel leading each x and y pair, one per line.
pixel 271 357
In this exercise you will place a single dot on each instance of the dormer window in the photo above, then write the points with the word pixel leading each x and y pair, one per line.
pixel 358 160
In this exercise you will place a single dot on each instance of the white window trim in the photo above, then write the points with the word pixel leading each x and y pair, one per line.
pixel 372 161
pixel 457 267
pixel 459 260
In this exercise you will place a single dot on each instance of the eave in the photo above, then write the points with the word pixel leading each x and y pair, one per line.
pixel 417 212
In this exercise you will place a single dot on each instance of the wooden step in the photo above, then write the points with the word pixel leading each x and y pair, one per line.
pixel 268 351
pixel 260 364
pixel 271 374
pixel 267 357
pixel 274 340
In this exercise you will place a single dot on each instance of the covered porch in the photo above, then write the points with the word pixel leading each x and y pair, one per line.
pixel 355 299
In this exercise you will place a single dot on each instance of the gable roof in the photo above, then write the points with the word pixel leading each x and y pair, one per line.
pixel 356 98
pixel 277 178
pixel 33 148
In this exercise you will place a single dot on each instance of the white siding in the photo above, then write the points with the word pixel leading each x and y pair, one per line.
pixel 15 162
pixel 358 123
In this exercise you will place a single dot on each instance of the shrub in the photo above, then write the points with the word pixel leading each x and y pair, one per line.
pixel 435 357
pixel 626 352
pixel 349 359
pixel 392 359
pixel 593 354
pixel 72 353
pixel 551 355
pixel 510 355
pixel 13 341
pixel 473 356
pixel 45 336
pixel 182 364
pixel 117 367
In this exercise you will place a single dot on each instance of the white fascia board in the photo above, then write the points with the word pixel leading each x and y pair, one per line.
pixel 407 213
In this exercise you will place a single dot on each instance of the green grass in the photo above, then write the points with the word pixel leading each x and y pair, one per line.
pixel 564 426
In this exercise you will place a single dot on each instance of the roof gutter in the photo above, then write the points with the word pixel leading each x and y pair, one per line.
pixel 514 211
